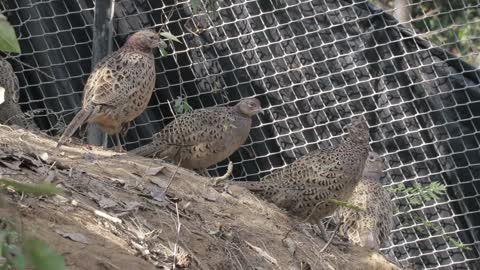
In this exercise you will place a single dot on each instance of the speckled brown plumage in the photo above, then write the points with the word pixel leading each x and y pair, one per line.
pixel 203 137
pixel 304 187
pixel 369 228
pixel 119 88
pixel 10 111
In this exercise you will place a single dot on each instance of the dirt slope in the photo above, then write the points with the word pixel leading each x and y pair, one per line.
pixel 137 227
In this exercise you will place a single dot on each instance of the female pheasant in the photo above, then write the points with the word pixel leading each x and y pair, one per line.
pixel 203 137
pixel 119 88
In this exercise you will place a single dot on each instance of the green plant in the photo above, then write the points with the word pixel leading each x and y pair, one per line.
pixel 8 39
pixel 181 105
pixel 168 36
pixel 43 189
pixel 453 25
pixel 418 192
pixel 437 228
pixel 346 204
pixel 456 243
pixel 415 195
pixel 18 249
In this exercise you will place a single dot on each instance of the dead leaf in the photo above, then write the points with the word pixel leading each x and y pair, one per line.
pixel 44 170
pixel 129 206
pixel 77 237
pixel 94 196
pixel 14 165
pixel 105 203
pixel 158 195
pixel 209 195
pixel 152 171
pixel 89 156
pixel 159 182
pixel 263 253
pixel 30 162
pixel 290 245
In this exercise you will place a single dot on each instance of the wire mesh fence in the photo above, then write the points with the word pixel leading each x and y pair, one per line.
pixel 313 65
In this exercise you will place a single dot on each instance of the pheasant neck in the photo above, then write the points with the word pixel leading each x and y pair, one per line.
pixel 133 46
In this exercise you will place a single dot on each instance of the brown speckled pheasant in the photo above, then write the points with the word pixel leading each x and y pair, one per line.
pixel 304 188
pixel 119 88
pixel 369 228
pixel 203 137
pixel 10 112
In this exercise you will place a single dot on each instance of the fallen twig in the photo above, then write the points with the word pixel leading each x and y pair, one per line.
pixel 107 263
pixel 263 253
pixel 96 212
pixel 177 237
pixel 173 176
pixel 224 177
pixel 331 239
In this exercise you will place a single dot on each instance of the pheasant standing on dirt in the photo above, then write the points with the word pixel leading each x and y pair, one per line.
pixel 306 187
pixel 201 138
pixel 119 88
pixel 10 111
pixel 371 227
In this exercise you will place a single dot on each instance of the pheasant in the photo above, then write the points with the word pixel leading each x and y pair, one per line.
pixel 119 88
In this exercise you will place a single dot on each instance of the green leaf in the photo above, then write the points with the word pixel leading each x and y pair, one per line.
pixel 15 257
pixel 8 39
pixel 195 6
pixel 458 244
pixel 181 105
pixel 43 257
pixel 414 201
pixel 346 204
pixel 163 52
pixel 169 36
pixel 46 189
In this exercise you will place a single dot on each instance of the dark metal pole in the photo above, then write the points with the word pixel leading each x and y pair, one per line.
pixel 102 46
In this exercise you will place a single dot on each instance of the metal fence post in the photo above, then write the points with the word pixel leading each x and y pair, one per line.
pixel 102 46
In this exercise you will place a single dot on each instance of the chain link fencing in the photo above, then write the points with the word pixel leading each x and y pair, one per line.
pixel 314 65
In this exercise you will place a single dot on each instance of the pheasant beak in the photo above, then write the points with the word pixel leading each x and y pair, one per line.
pixel 261 111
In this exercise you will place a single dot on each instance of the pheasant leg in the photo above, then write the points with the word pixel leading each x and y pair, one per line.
pixel 118 146
pixel 105 141
pixel 320 229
